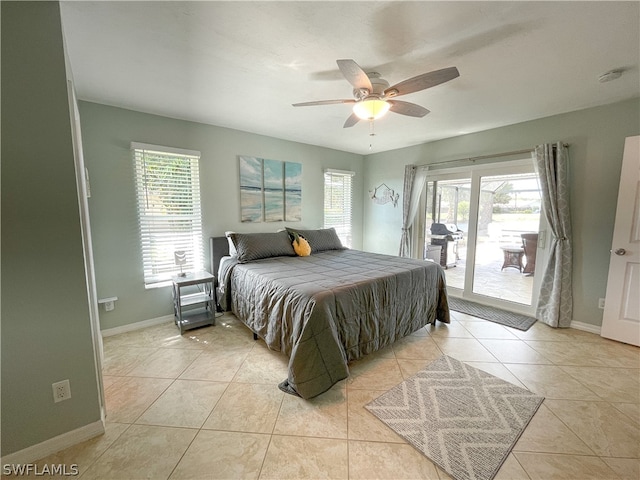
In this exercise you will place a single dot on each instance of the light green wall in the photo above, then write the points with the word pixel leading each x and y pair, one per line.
pixel 107 133
pixel 596 136
pixel 46 334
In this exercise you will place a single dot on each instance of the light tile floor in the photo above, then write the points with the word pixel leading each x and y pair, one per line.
pixel 206 405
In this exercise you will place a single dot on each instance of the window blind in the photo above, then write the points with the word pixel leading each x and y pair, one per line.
pixel 169 211
pixel 337 203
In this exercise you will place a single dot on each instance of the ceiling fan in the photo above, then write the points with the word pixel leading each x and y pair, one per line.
pixel 373 96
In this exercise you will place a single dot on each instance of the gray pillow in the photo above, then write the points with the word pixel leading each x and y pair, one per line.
pixel 254 246
pixel 321 239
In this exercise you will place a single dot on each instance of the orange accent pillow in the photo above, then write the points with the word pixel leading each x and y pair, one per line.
pixel 301 246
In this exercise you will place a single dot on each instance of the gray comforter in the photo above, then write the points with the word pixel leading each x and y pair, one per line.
pixel 332 307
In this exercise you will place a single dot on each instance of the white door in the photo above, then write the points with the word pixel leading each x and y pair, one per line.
pixel 621 320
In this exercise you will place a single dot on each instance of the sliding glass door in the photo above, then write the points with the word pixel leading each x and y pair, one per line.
pixel 447 223
pixel 508 215
pixel 482 225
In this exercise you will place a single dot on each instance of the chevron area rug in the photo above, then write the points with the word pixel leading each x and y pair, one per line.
pixel 496 315
pixel 461 418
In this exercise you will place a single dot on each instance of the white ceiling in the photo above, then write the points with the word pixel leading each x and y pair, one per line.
pixel 242 64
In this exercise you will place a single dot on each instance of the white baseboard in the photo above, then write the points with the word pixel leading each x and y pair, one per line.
pixel 55 444
pixel 137 325
pixel 587 327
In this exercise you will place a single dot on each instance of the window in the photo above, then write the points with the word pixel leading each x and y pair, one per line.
pixel 337 203
pixel 168 195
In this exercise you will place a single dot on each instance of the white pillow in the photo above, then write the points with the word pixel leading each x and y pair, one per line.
pixel 232 248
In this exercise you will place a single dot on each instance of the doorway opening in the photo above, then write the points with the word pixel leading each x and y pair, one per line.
pixel 484 225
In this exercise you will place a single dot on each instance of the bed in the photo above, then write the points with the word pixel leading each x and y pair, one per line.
pixel 326 309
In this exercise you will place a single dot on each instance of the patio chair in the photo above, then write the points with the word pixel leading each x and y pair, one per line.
pixel 530 245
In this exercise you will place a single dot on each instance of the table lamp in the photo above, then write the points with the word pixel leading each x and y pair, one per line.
pixel 180 257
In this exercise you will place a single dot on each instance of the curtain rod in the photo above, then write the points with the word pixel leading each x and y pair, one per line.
pixel 481 157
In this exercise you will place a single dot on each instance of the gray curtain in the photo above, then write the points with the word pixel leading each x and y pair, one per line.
pixel 414 178
pixel 555 304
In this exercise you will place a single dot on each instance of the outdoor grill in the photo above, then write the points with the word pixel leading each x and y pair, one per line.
pixel 446 229
pixel 447 235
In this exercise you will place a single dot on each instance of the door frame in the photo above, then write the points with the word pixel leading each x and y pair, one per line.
pixel 474 173
pixel 87 246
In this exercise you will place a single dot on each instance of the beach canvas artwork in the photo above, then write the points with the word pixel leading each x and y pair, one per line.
pixel 270 190
pixel 251 200
pixel 292 192
pixel 273 190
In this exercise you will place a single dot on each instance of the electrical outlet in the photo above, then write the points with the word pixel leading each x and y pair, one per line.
pixel 61 391
pixel 601 303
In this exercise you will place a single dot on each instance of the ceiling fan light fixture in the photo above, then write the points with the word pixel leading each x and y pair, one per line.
pixel 371 108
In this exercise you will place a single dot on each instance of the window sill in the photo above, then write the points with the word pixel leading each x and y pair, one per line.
pixel 152 286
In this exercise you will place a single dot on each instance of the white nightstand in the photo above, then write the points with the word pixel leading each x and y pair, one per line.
pixel 196 306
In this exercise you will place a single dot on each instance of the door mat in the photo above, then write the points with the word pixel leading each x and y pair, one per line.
pixel 496 315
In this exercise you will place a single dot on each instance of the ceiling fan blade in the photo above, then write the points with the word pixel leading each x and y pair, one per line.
pixel 354 74
pixel 421 82
pixel 351 121
pixel 406 108
pixel 323 102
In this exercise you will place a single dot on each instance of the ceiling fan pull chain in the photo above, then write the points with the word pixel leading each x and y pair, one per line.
pixel 372 133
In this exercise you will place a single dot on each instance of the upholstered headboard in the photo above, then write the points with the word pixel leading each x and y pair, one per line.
pixel 218 248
